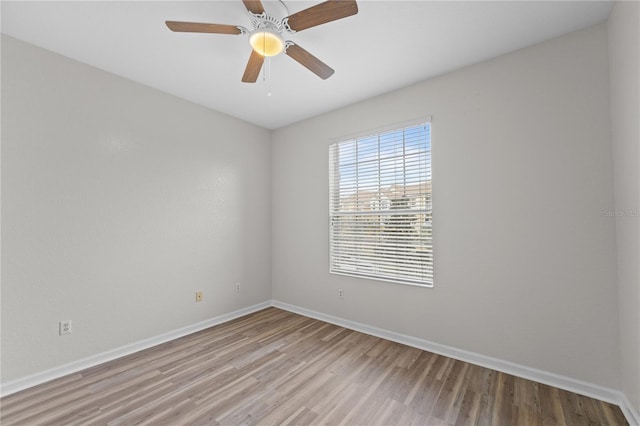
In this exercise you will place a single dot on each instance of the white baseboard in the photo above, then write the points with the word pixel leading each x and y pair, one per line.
pixel 633 417
pixel 573 385
pixel 35 379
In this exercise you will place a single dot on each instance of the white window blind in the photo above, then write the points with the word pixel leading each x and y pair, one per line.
pixel 380 206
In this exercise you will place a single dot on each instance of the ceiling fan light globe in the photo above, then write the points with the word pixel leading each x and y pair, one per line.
pixel 266 43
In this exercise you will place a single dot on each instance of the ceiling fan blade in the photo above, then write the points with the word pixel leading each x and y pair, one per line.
pixel 309 61
pixel 253 68
pixel 322 13
pixel 254 6
pixel 195 27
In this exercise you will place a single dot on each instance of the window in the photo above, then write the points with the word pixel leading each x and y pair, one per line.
pixel 380 206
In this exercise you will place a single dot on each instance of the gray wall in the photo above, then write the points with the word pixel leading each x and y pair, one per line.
pixel 118 203
pixel 525 266
pixel 624 59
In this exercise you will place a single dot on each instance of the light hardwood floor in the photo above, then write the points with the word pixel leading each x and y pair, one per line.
pixel 276 367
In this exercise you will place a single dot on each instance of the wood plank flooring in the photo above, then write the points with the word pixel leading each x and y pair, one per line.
pixel 275 367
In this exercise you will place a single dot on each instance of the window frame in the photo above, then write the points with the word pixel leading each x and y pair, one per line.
pixel 400 126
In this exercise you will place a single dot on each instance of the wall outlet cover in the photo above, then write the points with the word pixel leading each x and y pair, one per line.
pixel 64 327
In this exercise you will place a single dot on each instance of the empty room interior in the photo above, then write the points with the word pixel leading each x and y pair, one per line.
pixel 320 212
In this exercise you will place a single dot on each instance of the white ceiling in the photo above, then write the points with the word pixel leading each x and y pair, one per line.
pixel 387 45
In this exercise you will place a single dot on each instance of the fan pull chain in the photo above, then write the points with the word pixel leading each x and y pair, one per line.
pixel 269 80
pixel 266 69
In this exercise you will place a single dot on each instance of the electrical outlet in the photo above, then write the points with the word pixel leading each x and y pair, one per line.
pixel 65 327
pixel 340 293
pixel 237 287
pixel 199 296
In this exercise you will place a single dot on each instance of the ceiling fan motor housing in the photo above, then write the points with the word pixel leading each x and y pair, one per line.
pixel 266 38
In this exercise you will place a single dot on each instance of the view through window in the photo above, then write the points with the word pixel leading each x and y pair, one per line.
pixel 380 206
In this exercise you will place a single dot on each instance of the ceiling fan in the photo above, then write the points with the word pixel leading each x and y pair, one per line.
pixel 266 38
